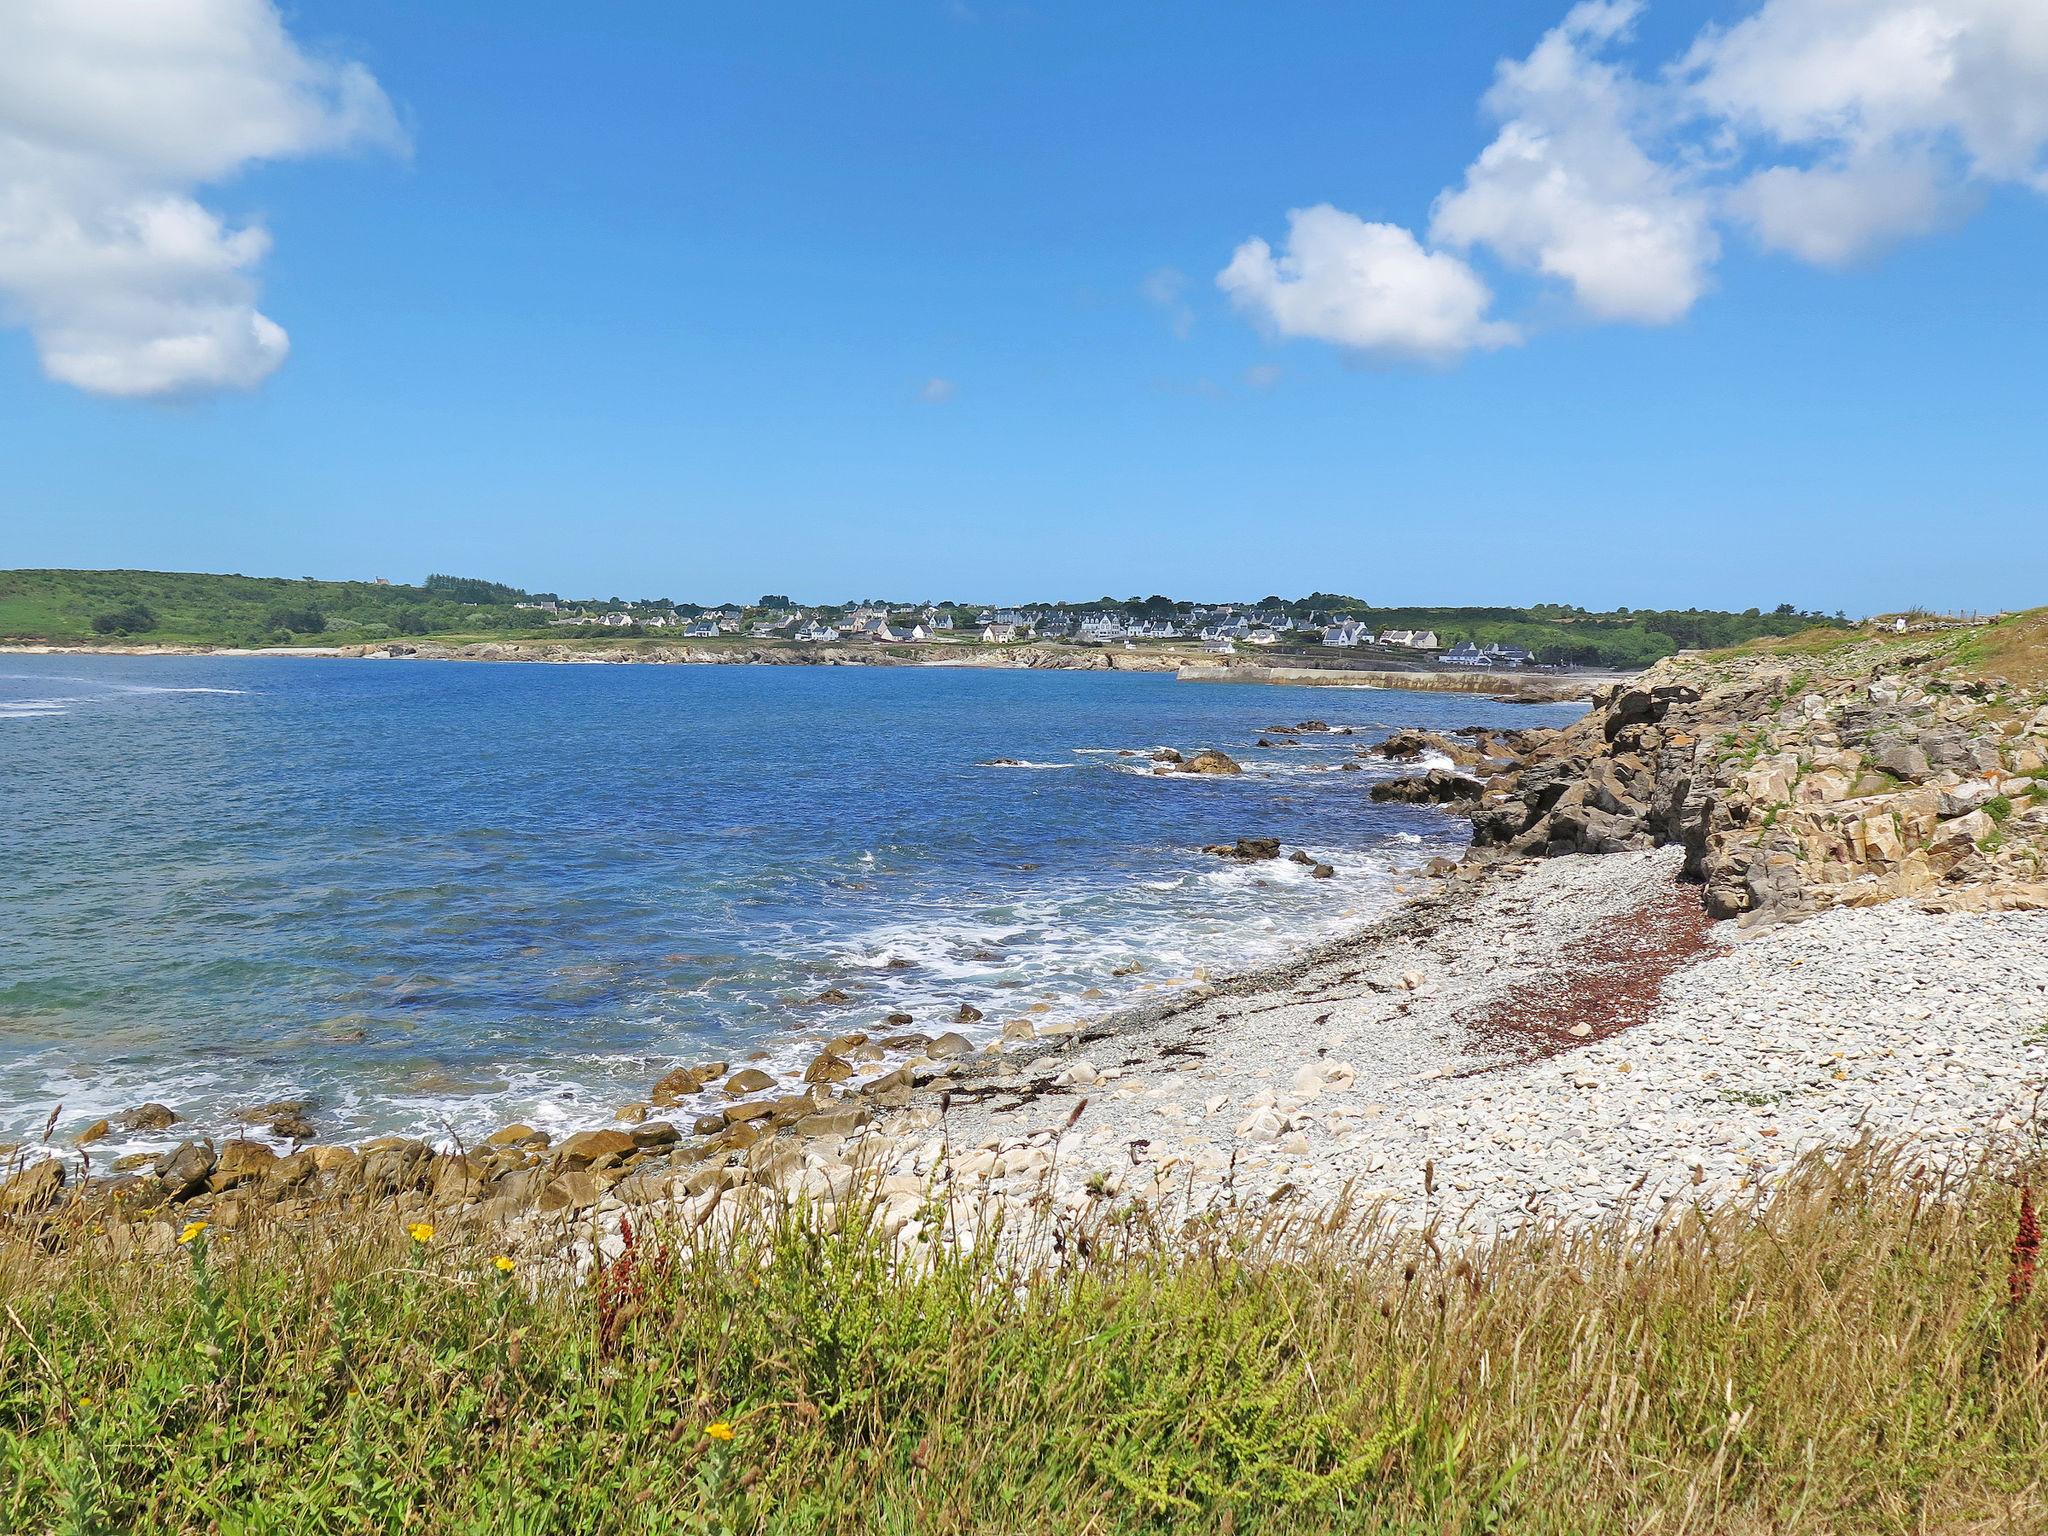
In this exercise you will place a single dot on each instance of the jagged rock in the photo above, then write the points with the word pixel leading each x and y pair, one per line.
pixel 147 1117
pixel 1436 787
pixel 1210 761
pixel 240 1162
pixel 1247 850
pixel 185 1169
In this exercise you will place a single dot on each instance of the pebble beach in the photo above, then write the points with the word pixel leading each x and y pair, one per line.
pixel 1377 1072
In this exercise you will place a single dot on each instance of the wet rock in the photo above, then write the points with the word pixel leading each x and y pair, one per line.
pixel 748 1080
pixel 968 1014
pixel 147 1117
pixel 832 996
pixel 1246 850
pixel 92 1133
pixel 685 1082
pixel 1403 744
pixel 898 1019
pixel 655 1133
pixel 1210 761
pixel 827 1068
pixel 911 1042
pixel 1167 755
pixel 1323 872
pixel 846 1045
pixel 1439 786
pixel 948 1045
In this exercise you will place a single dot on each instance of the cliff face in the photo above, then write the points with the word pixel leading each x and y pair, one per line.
pixel 1875 770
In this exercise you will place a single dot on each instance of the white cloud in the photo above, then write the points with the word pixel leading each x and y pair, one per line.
pixel 1903 105
pixel 1827 129
pixel 938 391
pixel 1369 287
pixel 113 115
pixel 1832 214
pixel 1263 375
pixel 1567 189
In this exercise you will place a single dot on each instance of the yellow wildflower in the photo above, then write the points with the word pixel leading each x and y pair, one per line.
pixel 421 1232
pixel 505 1265
pixel 191 1233
pixel 719 1431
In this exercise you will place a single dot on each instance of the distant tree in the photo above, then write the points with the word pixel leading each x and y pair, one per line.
pixel 410 622
pixel 470 589
pixel 774 600
pixel 134 619
pixel 300 621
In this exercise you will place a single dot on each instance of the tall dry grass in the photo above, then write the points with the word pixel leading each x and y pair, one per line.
pixel 1842 1358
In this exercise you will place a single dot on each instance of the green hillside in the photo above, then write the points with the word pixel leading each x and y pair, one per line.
pixel 81 607
pixel 182 608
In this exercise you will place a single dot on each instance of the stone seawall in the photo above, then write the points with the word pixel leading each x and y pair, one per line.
pixel 1524 687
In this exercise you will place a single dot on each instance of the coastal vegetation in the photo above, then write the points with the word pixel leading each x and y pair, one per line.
pixel 72 607
pixel 1862 1351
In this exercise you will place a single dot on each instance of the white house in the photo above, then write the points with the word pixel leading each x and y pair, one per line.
pixel 902 630
pixel 1413 639
pixel 615 620
pixel 1220 645
pixel 998 634
pixel 817 633
pixel 1101 627
pixel 705 628
pixel 1261 635
pixel 1347 632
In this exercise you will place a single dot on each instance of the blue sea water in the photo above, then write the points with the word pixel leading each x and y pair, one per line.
pixel 439 897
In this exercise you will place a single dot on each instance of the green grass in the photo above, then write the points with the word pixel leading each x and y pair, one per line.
pixel 1842 1360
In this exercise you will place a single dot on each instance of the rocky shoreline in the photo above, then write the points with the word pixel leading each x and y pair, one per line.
pixel 1532 1036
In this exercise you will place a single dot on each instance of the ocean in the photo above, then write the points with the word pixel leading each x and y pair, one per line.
pixel 435 898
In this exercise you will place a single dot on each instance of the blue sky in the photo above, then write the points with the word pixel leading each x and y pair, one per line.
pixel 922 299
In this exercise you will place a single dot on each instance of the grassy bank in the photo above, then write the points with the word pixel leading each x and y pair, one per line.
pixel 1845 1359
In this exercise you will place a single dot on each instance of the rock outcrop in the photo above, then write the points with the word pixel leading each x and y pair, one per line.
pixel 1796 784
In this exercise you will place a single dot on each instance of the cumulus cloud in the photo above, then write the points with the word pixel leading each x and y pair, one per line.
pixel 1372 288
pixel 113 117
pixel 1567 188
pixel 1823 129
